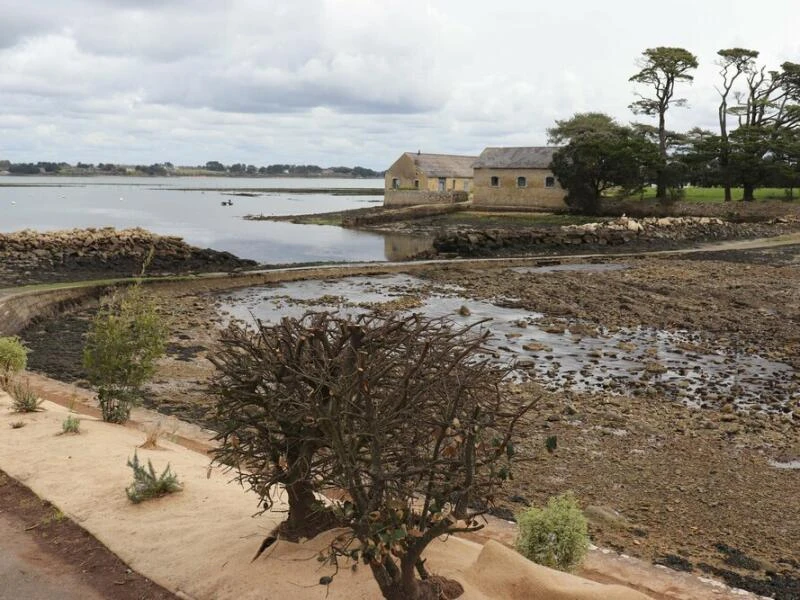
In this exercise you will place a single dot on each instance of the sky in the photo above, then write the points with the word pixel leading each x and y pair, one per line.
pixel 344 82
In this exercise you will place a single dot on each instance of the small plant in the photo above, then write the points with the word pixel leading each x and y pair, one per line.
pixel 556 536
pixel 55 516
pixel 24 398
pixel 153 432
pixel 146 484
pixel 13 358
pixel 71 424
pixel 17 424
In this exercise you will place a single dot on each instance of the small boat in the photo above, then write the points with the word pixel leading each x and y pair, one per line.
pixel 227 203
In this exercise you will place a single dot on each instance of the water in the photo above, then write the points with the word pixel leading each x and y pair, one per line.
pixel 577 356
pixel 177 206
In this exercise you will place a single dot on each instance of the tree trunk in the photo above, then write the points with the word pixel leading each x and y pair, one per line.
pixel 749 192
pixel 724 163
pixel 661 183
pixel 403 584
pixel 302 508
pixel 661 186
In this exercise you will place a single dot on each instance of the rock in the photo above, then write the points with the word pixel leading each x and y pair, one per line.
pixel 604 516
pixel 536 347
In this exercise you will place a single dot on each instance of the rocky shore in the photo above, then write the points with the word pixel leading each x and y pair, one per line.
pixel 658 232
pixel 78 254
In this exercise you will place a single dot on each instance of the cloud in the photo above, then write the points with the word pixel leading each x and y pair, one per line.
pixel 339 81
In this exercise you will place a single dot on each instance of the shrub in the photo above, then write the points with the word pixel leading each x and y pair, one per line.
pixel 24 398
pixel 71 424
pixel 556 536
pixel 126 339
pixel 13 358
pixel 403 413
pixel 146 484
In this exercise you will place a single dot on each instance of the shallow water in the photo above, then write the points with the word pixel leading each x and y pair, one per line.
pixel 575 355
pixel 791 465
pixel 162 206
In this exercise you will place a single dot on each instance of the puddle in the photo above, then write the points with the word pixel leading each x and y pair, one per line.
pixel 558 354
pixel 790 465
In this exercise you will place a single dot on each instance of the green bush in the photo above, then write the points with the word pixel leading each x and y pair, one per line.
pixel 24 399
pixel 146 484
pixel 13 358
pixel 127 337
pixel 556 536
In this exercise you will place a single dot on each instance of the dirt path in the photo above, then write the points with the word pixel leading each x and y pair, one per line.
pixel 26 572
pixel 44 555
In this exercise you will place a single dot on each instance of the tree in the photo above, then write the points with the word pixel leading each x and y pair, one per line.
pixel 580 124
pixel 403 413
pixel 600 155
pixel 24 169
pixel 699 150
pixel 126 338
pixel 214 165
pixel 733 62
pixel 661 68
pixel 769 108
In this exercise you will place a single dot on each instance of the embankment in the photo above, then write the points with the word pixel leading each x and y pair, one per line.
pixel 28 256
pixel 651 232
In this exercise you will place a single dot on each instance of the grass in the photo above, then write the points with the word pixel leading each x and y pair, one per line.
pixel 55 516
pixel 71 424
pixel 717 194
pixel 24 399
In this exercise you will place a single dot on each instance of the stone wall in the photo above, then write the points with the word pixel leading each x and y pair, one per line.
pixel 508 195
pixel 106 251
pixel 17 311
pixel 413 197
pixel 664 231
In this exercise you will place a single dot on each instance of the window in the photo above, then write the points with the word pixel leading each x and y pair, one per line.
pixel 466 185
pixel 522 182
pixel 395 183
pixel 416 184
pixel 494 181
pixel 549 181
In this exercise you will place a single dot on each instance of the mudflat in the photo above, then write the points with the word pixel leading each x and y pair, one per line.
pixel 708 488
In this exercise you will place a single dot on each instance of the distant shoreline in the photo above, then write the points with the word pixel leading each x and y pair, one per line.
pixel 186 175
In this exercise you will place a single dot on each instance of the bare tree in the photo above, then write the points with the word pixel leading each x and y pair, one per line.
pixel 402 413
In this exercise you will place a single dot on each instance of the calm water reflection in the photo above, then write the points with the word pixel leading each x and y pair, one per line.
pixel 176 206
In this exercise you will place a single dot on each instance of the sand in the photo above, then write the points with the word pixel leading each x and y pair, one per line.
pixel 200 542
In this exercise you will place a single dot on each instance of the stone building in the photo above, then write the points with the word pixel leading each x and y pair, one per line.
pixel 417 178
pixel 517 178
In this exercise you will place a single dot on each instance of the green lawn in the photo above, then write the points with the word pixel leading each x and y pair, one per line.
pixel 700 194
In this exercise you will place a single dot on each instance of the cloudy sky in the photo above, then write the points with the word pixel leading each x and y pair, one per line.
pixel 343 82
